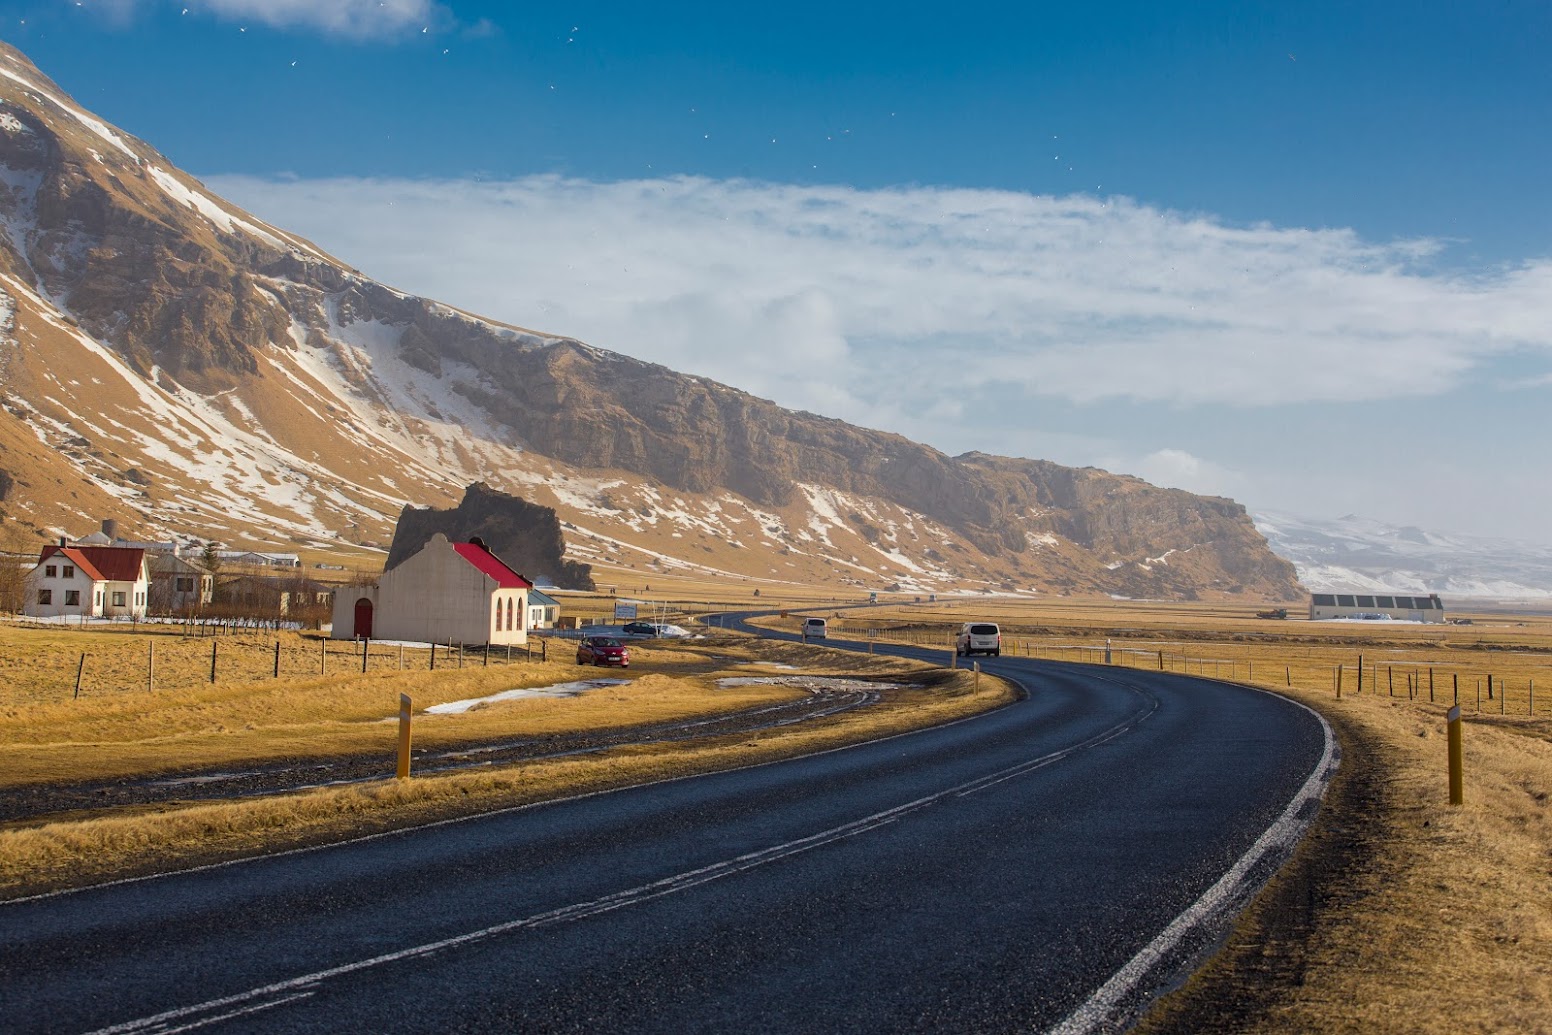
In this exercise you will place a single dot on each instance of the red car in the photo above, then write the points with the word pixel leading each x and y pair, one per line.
pixel 603 650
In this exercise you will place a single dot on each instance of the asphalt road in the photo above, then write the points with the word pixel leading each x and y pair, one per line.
pixel 1047 866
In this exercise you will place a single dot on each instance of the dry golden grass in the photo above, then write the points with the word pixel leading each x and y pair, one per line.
pixel 119 729
pixel 129 732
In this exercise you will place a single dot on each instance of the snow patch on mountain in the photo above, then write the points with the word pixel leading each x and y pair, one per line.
pixel 99 128
pixel 1353 553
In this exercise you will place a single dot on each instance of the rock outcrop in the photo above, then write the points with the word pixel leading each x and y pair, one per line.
pixel 526 536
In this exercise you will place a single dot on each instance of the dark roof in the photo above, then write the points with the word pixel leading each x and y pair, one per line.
pixel 102 563
pixel 73 555
pixel 491 566
pixel 542 599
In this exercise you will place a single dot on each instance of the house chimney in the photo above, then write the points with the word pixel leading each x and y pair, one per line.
pixel 62 542
pixel 110 528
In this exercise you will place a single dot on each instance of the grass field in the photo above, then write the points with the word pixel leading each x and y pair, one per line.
pixel 119 728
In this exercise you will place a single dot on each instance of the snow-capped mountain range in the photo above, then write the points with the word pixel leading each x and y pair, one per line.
pixel 1358 554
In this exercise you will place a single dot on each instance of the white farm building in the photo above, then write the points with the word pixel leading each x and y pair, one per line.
pixel 447 593
pixel 1380 606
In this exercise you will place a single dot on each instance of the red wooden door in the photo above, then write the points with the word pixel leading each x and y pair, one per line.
pixel 364 619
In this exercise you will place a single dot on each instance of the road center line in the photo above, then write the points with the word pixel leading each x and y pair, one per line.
pixel 189 1017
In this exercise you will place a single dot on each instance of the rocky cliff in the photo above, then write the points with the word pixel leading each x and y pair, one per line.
pixel 526 536
pixel 180 364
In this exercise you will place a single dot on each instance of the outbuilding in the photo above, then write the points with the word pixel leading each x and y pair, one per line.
pixel 447 593
pixel 1379 606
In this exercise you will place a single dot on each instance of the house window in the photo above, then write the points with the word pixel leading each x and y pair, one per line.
pixel 72 598
pixel 45 596
pixel 498 616
pixel 50 571
pixel 118 599
pixel 509 616
pixel 185 585
pixel 69 571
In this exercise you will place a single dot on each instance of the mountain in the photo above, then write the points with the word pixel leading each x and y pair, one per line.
pixel 176 363
pixel 1355 553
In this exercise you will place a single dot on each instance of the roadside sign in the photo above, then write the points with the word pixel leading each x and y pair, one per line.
pixel 624 611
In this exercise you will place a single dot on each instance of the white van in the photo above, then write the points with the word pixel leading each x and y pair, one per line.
pixel 815 628
pixel 978 638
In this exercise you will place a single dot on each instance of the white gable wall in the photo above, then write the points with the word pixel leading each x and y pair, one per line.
pixel 436 597
pixel 58 588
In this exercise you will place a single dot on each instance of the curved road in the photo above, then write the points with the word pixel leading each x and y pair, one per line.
pixel 1047 866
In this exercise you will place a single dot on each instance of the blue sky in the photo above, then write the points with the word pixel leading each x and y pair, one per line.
pixel 1294 253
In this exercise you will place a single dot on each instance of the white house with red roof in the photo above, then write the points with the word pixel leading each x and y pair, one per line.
pixel 88 581
pixel 447 593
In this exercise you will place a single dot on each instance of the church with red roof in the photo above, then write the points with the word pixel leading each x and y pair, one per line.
pixel 456 593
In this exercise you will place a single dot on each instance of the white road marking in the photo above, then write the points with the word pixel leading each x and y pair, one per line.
pixel 190 1017
pixel 1105 1008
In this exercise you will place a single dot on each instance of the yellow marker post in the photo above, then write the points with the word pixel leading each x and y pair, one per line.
pixel 1457 767
pixel 403 772
pixel 977 675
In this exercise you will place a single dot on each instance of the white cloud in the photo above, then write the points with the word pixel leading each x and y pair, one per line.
pixel 889 292
pixel 1083 330
pixel 357 19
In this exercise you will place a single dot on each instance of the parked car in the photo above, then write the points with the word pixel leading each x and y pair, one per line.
pixel 978 638
pixel 639 629
pixel 815 628
pixel 603 650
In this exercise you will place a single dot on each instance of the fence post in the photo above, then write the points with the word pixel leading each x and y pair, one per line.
pixel 977 683
pixel 402 771
pixel 433 655
pixel 1457 763
pixel 151 667
pixel 1288 675
pixel 213 644
pixel 366 644
pixel 78 670
pixel 322 656
pixel 1430 684
pixel 277 660
pixel 1339 682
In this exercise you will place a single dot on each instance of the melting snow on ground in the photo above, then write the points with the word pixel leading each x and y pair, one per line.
pixel 811 683
pixel 571 689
